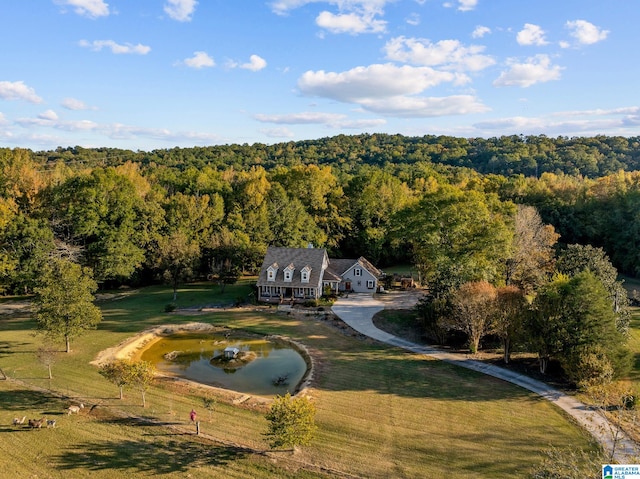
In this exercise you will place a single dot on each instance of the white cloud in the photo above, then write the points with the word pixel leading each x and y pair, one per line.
pixel 304 118
pixel 18 91
pixel 537 69
pixel 350 23
pixel 48 115
pixel 281 7
pixel 116 48
pixel 74 104
pixel 277 132
pixel 413 19
pixel 450 54
pixel 199 60
pixel 531 35
pixel 255 63
pixel 615 121
pixel 332 120
pixel 463 5
pixel 87 8
pixel 480 31
pixel 180 10
pixel 390 90
pixel 3 120
pixel 117 131
pixel 423 107
pixel 374 81
pixel 586 33
pixel 352 16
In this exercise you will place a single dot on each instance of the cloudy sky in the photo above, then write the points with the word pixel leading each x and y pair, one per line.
pixel 149 74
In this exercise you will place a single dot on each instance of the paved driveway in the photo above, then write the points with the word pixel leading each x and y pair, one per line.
pixel 357 311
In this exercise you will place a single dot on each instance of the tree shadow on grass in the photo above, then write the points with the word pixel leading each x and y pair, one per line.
pixel 25 399
pixel 154 458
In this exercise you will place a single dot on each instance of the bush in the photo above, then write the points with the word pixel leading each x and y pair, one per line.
pixel 170 308
pixel 291 422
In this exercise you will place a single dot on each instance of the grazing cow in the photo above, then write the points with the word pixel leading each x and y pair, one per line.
pixel 36 423
pixel 18 421
pixel 51 423
pixel 74 409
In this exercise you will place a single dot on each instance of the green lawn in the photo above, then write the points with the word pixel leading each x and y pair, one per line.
pixel 382 412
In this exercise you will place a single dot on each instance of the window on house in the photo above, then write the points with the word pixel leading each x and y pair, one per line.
pixel 357 272
pixel 370 284
pixel 270 275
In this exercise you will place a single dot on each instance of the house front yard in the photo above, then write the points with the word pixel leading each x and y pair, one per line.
pixel 382 412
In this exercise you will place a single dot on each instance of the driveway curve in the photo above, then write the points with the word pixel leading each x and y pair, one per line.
pixel 358 310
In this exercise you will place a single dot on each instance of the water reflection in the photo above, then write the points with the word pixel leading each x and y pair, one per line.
pixel 263 367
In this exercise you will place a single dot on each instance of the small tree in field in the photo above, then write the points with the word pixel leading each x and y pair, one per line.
pixel 291 422
pixel 117 372
pixel 140 375
pixel 46 355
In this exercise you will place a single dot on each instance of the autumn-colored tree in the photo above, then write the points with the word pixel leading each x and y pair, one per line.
pixel 473 311
pixel 532 260
pixel 510 309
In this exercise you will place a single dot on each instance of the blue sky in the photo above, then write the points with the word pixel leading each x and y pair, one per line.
pixel 149 74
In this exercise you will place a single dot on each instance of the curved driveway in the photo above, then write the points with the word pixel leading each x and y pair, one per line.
pixel 357 311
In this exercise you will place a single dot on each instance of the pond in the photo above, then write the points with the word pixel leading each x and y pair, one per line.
pixel 261 367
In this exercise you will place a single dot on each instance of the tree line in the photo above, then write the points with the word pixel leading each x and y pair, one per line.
pixel 173 215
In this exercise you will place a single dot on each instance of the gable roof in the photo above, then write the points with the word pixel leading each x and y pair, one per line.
pixel 340 266
pixel 298 258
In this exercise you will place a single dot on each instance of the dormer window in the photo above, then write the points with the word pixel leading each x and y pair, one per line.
pixel 305 274
pixel 288 273
pixel 272 271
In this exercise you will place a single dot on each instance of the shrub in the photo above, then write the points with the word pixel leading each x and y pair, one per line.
pixel 170 308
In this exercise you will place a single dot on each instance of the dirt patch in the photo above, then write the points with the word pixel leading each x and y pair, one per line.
pixel 400 299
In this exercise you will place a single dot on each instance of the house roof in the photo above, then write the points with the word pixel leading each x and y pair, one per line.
pixel 298 258
pixel 340 266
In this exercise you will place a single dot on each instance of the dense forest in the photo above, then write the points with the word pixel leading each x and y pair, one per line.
pixel 494 226
pixel 114 208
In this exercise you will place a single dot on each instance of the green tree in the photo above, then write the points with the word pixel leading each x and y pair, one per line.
pixel 291 422
pixel 572 320
pixel 64 306
pixel 576 258
pixel 104 214
pixel 118 373
pixel 177 258
pixel 456 236
pixel 140 375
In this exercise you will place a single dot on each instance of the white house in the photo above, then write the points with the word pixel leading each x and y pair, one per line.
pixel 301 274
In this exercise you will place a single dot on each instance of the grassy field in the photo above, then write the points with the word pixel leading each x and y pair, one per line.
pixel 382 412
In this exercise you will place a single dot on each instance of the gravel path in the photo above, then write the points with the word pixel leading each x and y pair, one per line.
pixel 357 311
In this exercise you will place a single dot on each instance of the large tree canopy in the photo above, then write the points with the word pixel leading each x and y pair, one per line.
pixel 64 306
pixel 571 320
pixel 457 236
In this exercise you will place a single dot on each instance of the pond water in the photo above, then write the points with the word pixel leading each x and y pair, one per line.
pixel 263 367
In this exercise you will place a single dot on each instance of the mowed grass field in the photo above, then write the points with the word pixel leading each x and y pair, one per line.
pixel 382 412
